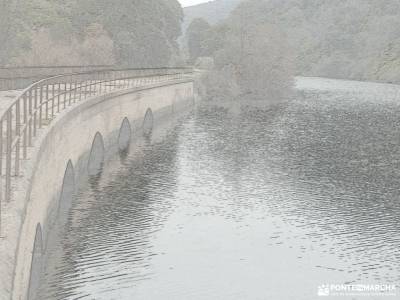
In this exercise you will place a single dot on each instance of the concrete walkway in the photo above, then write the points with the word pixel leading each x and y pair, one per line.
pixel 7 98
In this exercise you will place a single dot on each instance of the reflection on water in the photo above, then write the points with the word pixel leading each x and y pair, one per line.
pixel 261 205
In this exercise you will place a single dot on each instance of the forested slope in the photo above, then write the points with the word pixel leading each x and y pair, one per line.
pixel 125 32
pixel 212 12
pixel 353 39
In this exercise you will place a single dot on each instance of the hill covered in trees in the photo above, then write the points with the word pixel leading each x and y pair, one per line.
pixel 53 32
pixel 351 39
pixel 212 12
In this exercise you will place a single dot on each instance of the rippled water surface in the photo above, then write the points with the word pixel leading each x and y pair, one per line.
pixel 257 205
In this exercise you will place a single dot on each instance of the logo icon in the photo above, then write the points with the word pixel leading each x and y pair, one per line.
pixel 323 290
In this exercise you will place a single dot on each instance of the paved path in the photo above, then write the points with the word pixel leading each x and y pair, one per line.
pixel 6 98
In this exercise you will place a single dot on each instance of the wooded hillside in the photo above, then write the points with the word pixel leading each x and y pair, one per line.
pixel 353 39
pixel 125 32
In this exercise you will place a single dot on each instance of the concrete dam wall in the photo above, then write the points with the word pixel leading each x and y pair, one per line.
pixel 74 143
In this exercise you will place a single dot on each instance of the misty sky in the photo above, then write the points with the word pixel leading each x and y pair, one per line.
pixel 191 2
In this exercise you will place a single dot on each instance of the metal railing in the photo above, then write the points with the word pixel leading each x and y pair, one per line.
pixel 38 104
pixel 15 78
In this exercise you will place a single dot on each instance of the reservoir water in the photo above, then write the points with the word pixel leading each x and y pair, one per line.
pixel 256 204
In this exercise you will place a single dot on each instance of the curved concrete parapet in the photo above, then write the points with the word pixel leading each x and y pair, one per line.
pixel 64 150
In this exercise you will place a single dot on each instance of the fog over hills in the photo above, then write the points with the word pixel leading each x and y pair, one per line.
pixel 212 12
pixel 347 39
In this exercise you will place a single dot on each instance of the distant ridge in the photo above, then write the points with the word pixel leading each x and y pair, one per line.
pixel 213 11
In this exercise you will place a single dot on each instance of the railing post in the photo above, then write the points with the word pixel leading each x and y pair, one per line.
pixel 30 119
pixel 52 99
pixel 58 97
pixel 75 90
pixel 85 90
pixel 17 135
pixel 41 106
pixel 89 87
pixel 111 81
pixel 104 81
pixel 70 91
pixel 108 81
pixel 8 155
pixel 80 89
pixel 35 112
pixel 65 94
pixel 101 80
pixel 25 139
pixel 47 101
